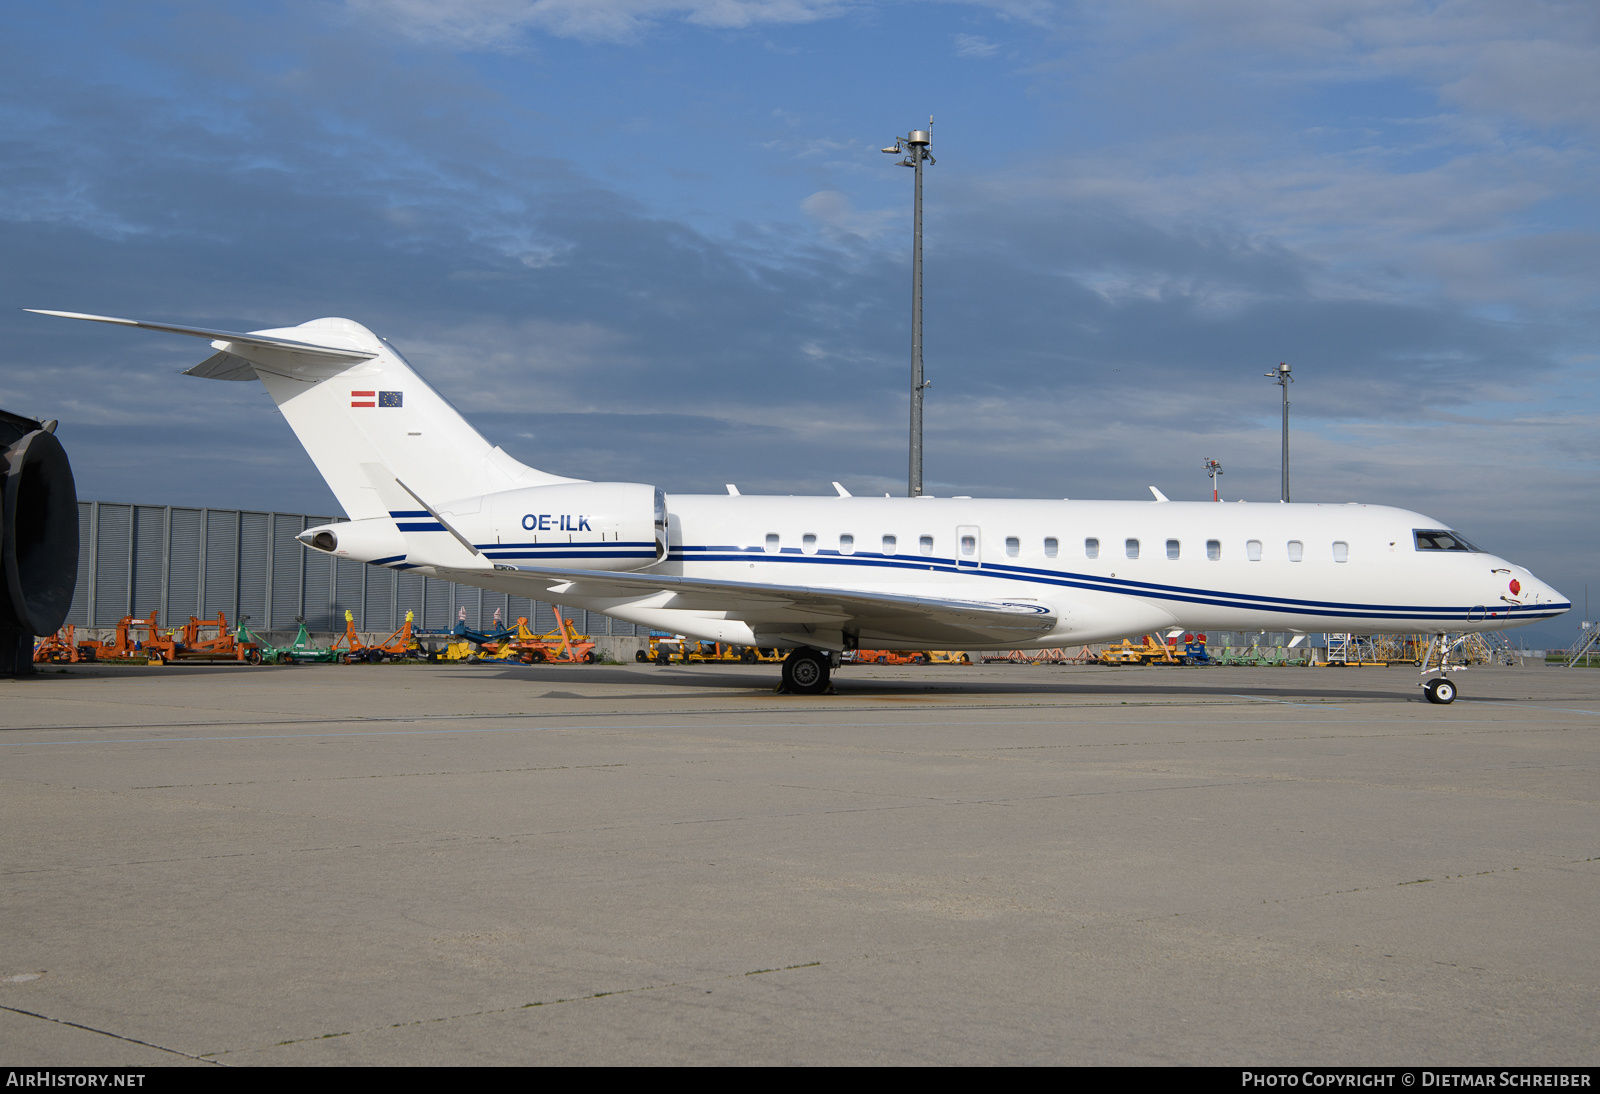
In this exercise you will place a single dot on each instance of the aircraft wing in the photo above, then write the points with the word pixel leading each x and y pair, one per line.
pixel 777 610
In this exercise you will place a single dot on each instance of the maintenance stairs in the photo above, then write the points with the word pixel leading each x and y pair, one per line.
pixel 1587 643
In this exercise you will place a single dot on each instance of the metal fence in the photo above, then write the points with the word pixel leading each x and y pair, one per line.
pixel 182 562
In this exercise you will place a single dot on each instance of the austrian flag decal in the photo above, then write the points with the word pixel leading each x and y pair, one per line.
pixel 384 398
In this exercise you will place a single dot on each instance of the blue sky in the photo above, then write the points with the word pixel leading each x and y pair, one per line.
pixel 655 241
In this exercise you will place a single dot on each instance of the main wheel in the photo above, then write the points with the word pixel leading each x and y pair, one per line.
pixel 805 672
pixel 1440 691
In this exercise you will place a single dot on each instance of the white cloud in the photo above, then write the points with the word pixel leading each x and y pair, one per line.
pixel 971 45
pixel 837 214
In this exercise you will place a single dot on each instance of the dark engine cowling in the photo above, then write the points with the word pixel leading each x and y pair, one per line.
pixel 38 538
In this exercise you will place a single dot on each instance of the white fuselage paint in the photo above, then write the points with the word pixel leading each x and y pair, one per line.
pixel 1385 584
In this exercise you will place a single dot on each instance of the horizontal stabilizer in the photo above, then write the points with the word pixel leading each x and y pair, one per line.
pixel 327 353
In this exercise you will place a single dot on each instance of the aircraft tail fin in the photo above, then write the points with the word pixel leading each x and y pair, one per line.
pixel 357 405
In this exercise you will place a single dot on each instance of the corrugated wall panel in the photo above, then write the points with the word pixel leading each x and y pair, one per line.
pixel 111 564
pixel 287 554
pixel 439 616
pixel 319 592
pixel 78 615
pixel 409 599
pixel 349 586
pixel 380 595
pixel 224 559
pixel 254 563
pixel 222 563
pixel 183 566
pixel 149 538
pixel 544 618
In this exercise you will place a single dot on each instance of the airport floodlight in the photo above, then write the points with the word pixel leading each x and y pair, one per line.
pixel 1281 377
pixel 915 146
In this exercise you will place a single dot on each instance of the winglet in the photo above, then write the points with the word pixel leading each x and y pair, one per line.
pixel 843 493
pixel 1159 495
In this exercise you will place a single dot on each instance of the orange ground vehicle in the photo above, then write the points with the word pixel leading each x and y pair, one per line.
pixel 397 645
pixel 563 644
pixel 125 646
pixel 156 647
pixel 58 647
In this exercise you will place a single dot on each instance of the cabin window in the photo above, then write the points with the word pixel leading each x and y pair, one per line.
pixel 1297 550
pixel 1132 547
pixel 1013 546
pixel 888 545
pixel 926 544
pixel 969 546
pixel 847 544
pixel 772 543
pixel 1172 548
pixel 808 543
pixel 1252 550
pixel 1213 549
pixel 1051 548
pixel 1341 551
pixel 1091 548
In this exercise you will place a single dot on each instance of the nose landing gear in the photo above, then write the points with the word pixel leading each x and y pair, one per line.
pixel 1441 689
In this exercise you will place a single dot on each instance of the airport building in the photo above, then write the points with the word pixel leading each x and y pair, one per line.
pixel 182 562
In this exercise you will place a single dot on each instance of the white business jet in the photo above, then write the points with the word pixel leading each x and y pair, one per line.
pixel 820 575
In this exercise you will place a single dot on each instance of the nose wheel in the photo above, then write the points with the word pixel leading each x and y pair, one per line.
pixel 1439 691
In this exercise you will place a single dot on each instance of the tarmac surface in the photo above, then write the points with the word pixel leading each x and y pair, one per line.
pixel 935 865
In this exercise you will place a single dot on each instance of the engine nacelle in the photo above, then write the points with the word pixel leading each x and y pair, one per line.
pixel 581 526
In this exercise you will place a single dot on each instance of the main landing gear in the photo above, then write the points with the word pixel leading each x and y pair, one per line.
pixel 805 672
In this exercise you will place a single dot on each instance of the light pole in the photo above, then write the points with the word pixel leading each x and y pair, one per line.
pixel 1213 468
pixel 1281 377
pixel 915 147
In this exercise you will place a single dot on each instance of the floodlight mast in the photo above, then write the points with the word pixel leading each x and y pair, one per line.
pixel 1281 377
pixel 914 146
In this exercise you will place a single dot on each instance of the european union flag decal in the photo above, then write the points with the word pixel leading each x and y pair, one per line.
pixel 389 398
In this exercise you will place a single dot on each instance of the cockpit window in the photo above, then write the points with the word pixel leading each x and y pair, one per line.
pixel 1437 539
